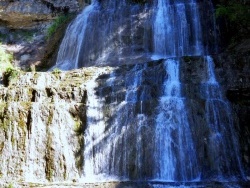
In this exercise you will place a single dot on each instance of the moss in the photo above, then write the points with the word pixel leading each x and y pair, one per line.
pixel 57 23
pixel 79 116
pixel 49 167
pixel 10 75
pixel 23 114
pixel 2 107
pixel 5 59
pixel 50 117
pixel 56 72
pixel 4 123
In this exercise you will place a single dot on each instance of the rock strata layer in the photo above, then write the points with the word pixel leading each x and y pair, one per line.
pixel 41 116
pixel 30 13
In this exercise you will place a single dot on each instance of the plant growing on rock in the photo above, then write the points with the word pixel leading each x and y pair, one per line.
pixel 57 23
pixel 56 72
pixel 9 74
pixel 236 15
pixel 5 59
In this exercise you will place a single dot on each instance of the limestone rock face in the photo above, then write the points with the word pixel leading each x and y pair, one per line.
pixel 29 13
pixel 41 117
pixel 22 14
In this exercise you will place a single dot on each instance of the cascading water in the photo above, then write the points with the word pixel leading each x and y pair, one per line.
pixel 175 155
pixel 109 150
pixel 177 30
pixel 137 119
pixel 68 55
pixel 222 143
pixel 105 33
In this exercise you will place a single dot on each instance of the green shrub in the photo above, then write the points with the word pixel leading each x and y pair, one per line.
pixel 56 72
pixel 237 13
pixel 9 74
pixel 59 21
pixel 5 59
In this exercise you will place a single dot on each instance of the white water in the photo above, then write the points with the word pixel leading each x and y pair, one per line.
pixel 177 30
pixel 117 142
pixel 175 156
pixel 70 48
pixel 222 142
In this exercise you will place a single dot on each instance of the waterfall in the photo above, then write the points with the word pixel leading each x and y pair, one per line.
pixel 175 155
pixel 222 140
pixel 177 30
pixel 68 55
pixel 138 124
pixel 105 33
pixel 114 123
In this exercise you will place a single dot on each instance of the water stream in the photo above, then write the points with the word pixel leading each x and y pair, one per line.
pixel 175 155
pixel 222 141
pixel 137 119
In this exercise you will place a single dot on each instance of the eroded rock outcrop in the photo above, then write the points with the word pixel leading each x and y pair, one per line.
pixel 42 118
pixel 26 14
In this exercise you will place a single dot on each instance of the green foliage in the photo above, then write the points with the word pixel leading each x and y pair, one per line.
pixel 59 21
pixel 27 35
pixel 56 72
pixel 5 59
pixel 10 74
pixel 237 13
pixel 10 185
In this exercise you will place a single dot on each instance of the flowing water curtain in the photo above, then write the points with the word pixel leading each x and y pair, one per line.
pixel 175 155
pixel 70 48
pixel 177 29
pixel 116 135
pixel 106 32
pixel 114 34
pixel 223 146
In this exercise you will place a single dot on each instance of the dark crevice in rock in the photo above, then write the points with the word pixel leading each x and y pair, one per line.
pixel 49 92
pixel 239 95
pixel 34 94
pixel 29 123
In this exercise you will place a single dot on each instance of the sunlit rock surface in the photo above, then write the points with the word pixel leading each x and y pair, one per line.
pixel 42 115
pixel 30 13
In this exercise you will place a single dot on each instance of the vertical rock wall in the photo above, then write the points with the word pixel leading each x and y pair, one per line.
pixel 41 121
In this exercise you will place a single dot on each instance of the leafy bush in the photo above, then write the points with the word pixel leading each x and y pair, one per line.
pixel 5 59
pixel 59 21
pixel 236 13
pixel 56 72
pixel 9 74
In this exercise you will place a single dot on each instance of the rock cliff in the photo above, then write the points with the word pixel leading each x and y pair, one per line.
pixel 31 13
pixel 24 29
pixel 43 114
